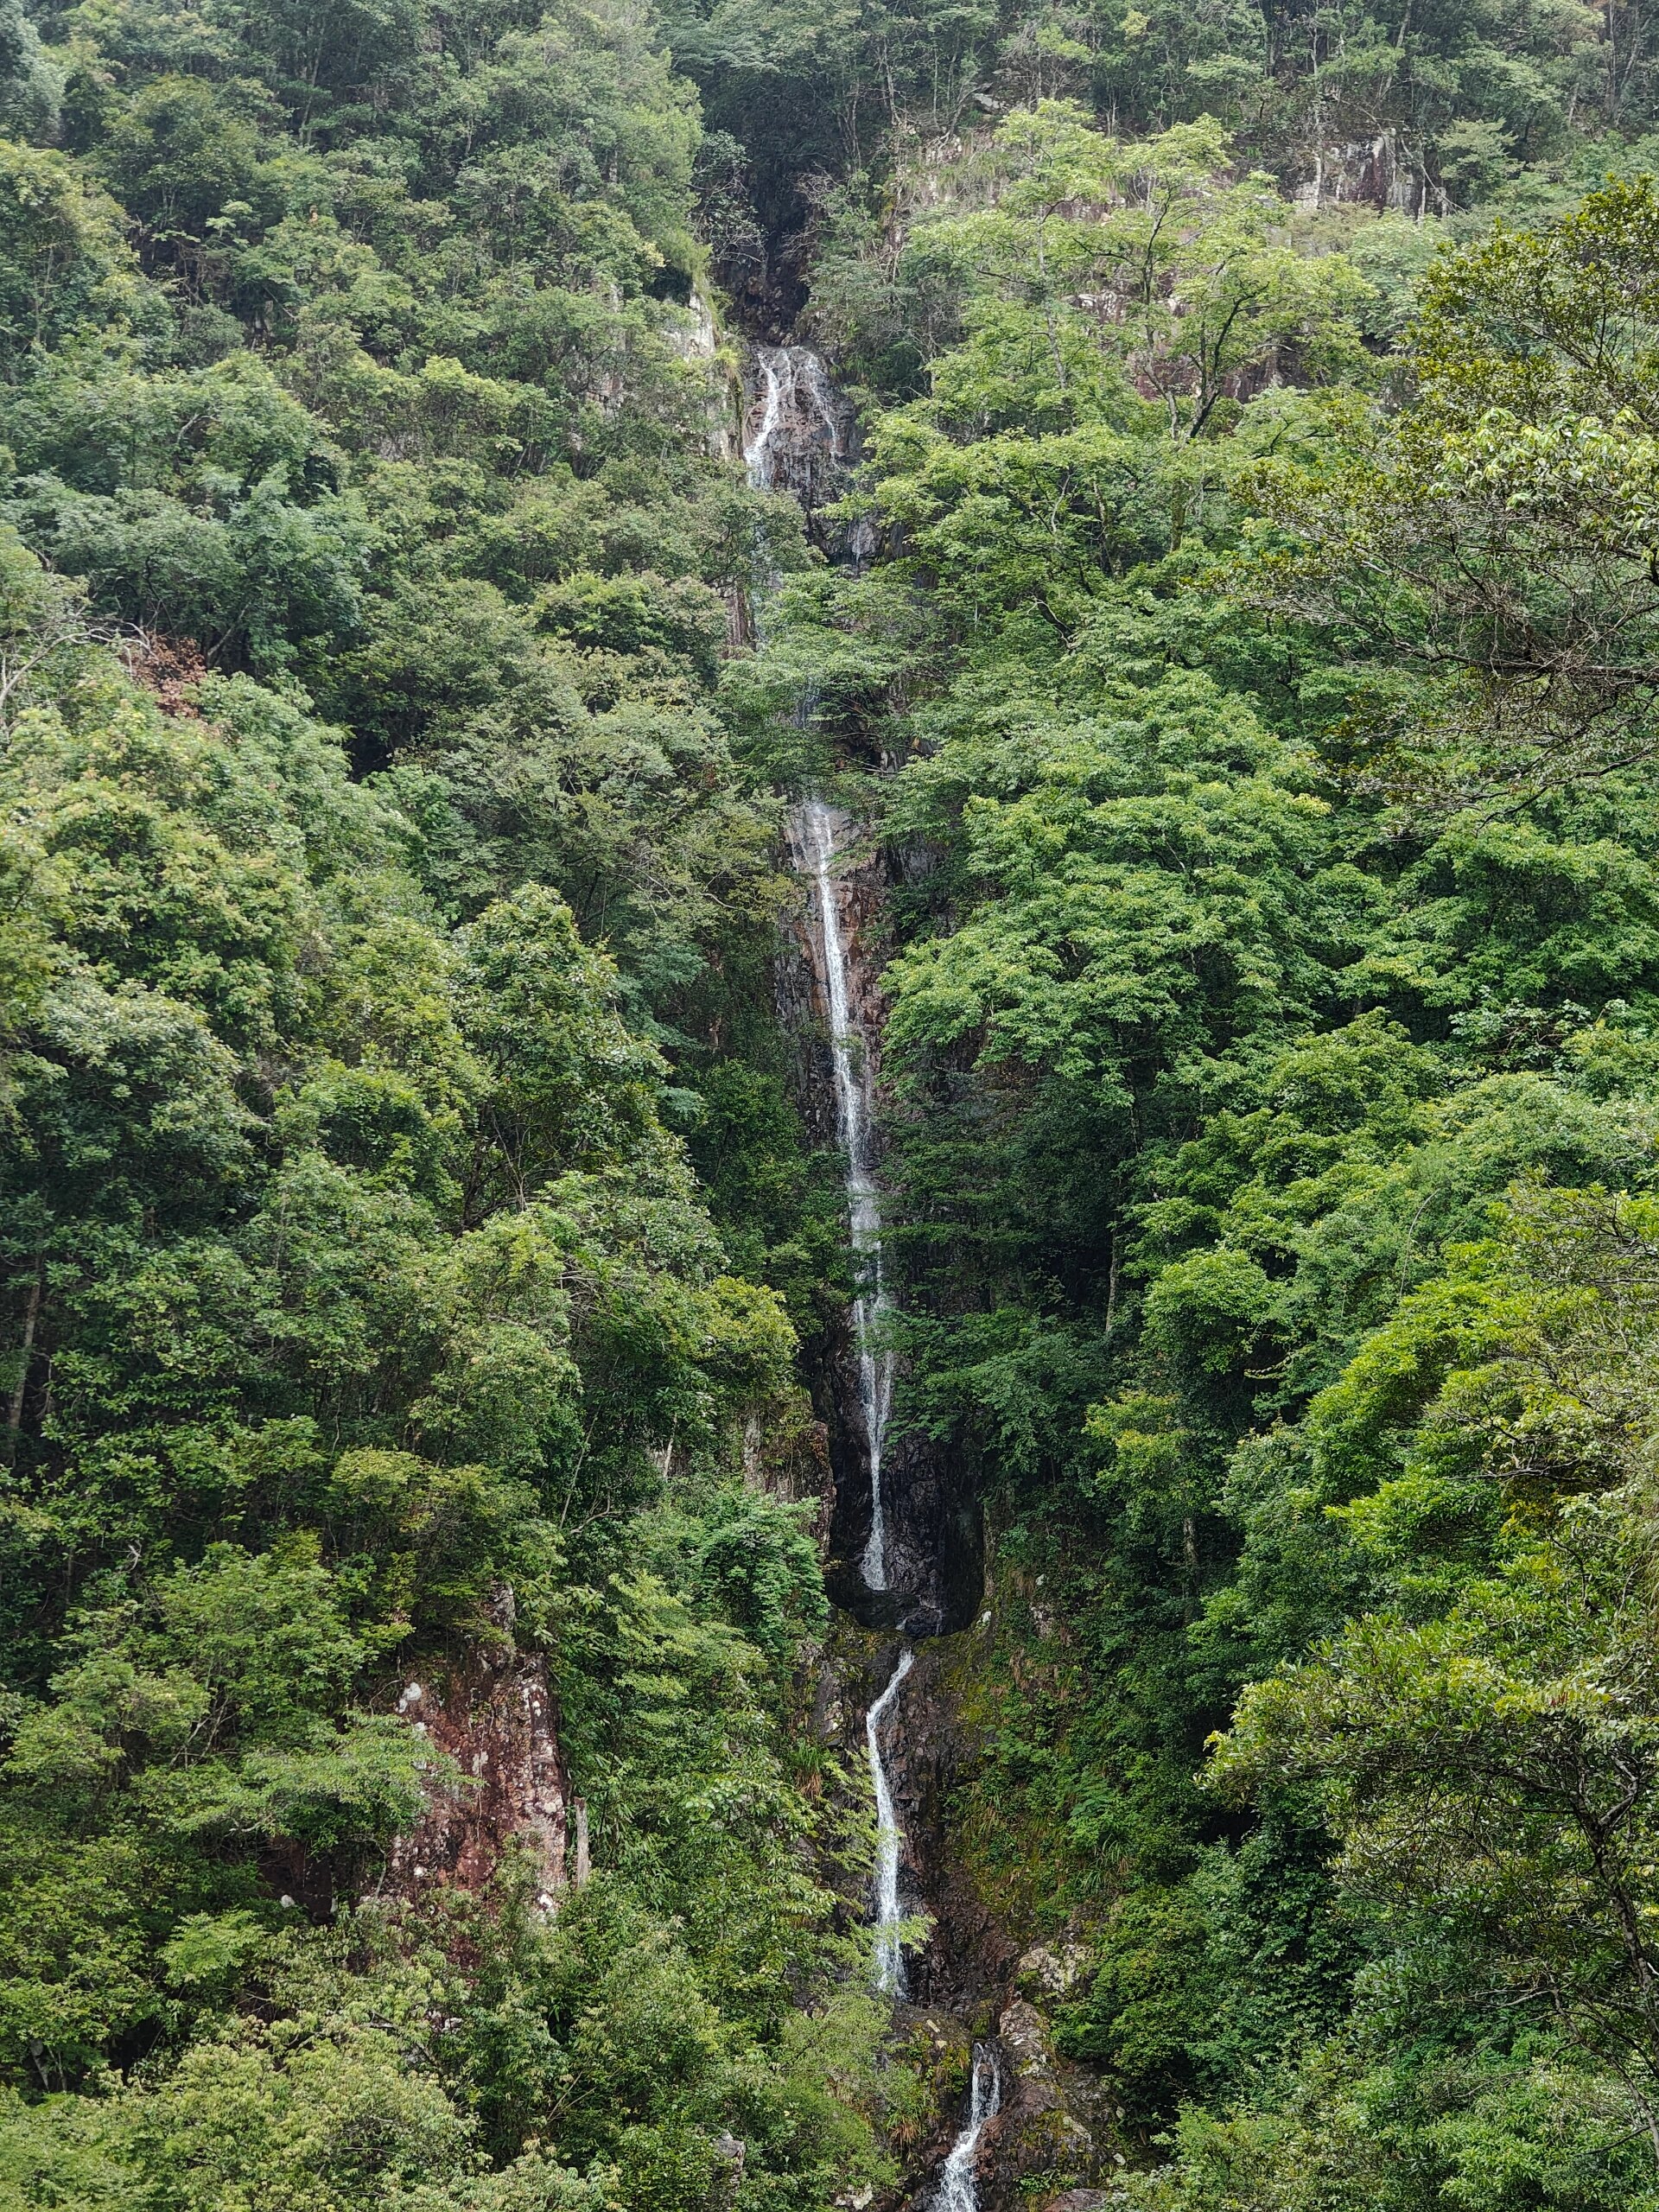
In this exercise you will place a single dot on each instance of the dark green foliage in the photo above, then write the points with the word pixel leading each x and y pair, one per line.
pixel 353 1258
pixel 372 837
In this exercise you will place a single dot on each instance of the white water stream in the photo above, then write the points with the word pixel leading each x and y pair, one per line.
pixel 795 417
pixel 889 1952
pixel 758 443
pixel 820 829
pixel 797 412
pixel 959 2182
pixel 820 835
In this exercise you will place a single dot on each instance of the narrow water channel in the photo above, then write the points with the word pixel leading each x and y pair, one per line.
pixel 820 836
pixel 889 1915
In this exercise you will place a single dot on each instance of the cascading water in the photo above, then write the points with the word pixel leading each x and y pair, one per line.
pixel 958 2189
pixel 889 1952
pixel 758 442
pixel 850 1058
pixel 799 436
pixel 797 424
pixel 794 440
pixel 818 828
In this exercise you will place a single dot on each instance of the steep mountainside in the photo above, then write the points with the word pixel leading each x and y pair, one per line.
pixel 829 953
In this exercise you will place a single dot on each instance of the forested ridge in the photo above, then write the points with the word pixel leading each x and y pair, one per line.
pixel 430 1774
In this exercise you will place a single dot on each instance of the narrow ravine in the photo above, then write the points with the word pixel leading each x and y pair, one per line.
pixel 794 425
pixel 820 833
pixel 820 836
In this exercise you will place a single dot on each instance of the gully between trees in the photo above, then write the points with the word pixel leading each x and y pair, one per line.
pixel 798 437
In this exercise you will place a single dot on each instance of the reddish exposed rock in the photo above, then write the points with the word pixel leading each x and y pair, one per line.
pixel 494 1716
pixel 169 668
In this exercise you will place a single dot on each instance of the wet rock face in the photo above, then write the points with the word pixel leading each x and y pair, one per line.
pixel 1052 2139
pixel 933 1535
pixel 493 1715
pixel 1057 2137
pixel 800 434
pixel 760 266
pixel 939 2048
pixel 968 1964
pixel 906 1549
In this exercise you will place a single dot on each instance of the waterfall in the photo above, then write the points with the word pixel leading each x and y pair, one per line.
pixel 819 832
pixel 757 456
pixel 850 1056
pixel 796 431
pixel 793 440
pixel 959 2183
pixel 889 1953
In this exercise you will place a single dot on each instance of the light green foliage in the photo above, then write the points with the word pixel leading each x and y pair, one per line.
pixel 398 395
pixel 1497 539
pixel 1101 306
pixel 1509 1676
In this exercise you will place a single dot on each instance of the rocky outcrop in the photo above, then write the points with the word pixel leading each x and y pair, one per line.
pixel 801 434
pixel 493 1715
pixel 1058 2133
pixel 1056 2139
pixel 1384 171
pixel 695 336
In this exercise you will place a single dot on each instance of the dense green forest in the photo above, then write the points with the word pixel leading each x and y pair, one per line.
pixel 416 1249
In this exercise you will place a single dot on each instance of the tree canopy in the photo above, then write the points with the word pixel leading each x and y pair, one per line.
pixel 416 1241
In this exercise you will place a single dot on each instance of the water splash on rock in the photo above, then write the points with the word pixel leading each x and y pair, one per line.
pixel 958 2189
pixel 800 434
pixel 797 430
pixel 889 1915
